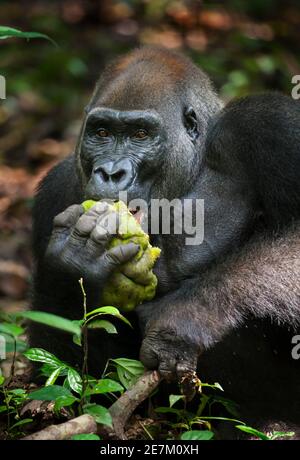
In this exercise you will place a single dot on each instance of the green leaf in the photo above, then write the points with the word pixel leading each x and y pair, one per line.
pixel 77 339
pixel 217 386
pixel 50 393
pixel 174 398
pixel 17 391
pixel 100 413
pixel 104 386
pixel 281 434
pixel 1 379
pixel 64 401
pixel 12 329
pixel 43 356
pixel 52 320
pixel 169 410
pixel 8 32
pixel 21 422
pixel 47 369
pixel 197 435
pixel 85 437
pixel 74 380
pixel 128 370
pixel 113 311
pixel 103 324
pixel 253 431
pixel 52 378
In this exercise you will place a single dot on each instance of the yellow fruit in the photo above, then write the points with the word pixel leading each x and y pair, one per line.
pixel 133 282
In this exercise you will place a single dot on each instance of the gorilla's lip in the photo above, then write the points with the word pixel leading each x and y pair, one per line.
pixel 137 213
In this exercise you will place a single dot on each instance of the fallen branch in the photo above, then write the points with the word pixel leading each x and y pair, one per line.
pixel 120 411
pixel 79 425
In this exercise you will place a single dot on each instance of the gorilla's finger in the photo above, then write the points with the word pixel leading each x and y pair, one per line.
pixel 106 227
pixel 98 209
pixel 184 367
pixel 68 218
pixel 115 257
pixel 148 356
pixel 167 368
pixel 84 226
pixel 122 253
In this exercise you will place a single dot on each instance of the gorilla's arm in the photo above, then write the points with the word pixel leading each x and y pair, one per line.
pixel 260 280
pixel 261 135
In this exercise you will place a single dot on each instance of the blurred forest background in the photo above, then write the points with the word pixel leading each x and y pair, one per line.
pixel 245 47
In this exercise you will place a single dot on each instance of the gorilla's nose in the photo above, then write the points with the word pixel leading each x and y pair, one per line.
pixel 117 174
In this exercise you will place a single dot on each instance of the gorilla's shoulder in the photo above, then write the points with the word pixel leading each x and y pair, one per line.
pixel 62 174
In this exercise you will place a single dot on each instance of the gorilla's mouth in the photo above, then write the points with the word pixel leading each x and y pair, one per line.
pixel 137 213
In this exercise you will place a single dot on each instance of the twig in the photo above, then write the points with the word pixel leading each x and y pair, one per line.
pixel 120 411
pixel 79 425
pixel 84 331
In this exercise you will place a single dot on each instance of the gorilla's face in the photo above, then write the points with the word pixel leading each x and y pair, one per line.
pixel 131 150
pixel 122 150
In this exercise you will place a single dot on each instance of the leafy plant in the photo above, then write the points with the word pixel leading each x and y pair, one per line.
pixel 9 32
pixel 263 436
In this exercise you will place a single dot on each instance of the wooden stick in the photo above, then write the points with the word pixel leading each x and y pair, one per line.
pixel 120 411
pixel 79 425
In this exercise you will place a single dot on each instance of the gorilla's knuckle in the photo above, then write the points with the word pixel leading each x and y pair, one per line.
pixel 84 226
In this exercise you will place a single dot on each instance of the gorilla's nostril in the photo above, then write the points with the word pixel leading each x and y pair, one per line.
pixel 118 175
pixel 104 176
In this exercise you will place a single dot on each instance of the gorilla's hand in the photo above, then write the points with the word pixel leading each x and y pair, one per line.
pixel 170 343
pixel 79 240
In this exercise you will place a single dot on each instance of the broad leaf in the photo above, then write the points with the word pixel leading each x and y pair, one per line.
pixel 43 356
pixel 100 413
pixel 64 401
pixel 52 378
pixel 85 437
pixel 104 386
pixel 50 393
pixel 21 422
pixel 253 431
pixel 12 329
pixel 103 324
pixel 197 435
pixel 52 320
pixel 128 370
pixel 47 369
pixel 174 398
pixel 8 32
pixel 74 380
pixel 113 311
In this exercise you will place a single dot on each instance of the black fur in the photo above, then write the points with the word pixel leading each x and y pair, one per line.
pixel 231 303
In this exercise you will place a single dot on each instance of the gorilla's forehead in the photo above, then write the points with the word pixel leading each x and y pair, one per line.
pixel 137 92
pixel 151 117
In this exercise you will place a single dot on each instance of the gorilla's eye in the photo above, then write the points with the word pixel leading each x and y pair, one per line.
pixel 102 132
pixel 140 134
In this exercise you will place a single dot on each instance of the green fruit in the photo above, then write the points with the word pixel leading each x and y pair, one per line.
pixel 133 282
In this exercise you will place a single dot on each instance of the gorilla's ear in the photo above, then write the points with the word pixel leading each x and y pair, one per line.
pixel 191 123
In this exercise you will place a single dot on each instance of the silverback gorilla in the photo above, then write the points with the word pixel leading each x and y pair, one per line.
pixel 156 128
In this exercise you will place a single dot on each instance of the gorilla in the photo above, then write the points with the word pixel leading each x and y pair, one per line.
pixel 156 128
